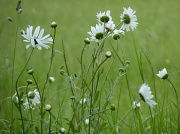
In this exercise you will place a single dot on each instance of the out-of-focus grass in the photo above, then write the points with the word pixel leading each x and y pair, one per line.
pixel 157 33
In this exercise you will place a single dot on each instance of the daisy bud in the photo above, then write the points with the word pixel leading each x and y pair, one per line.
pixel 62 72
pixel 30 72
pixel 10 19
pixel 51 79
pixel 116 36
pixel 53 24
pixel 72 97
pixel 86 41
pixel 108 54
pixel 31 95
pixel 62 130
pixel 127 63
pixel 48 107
pixel 113 107
pixel 20 11
pixel 29 81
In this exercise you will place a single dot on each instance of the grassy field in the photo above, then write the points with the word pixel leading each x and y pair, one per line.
pixel 156 39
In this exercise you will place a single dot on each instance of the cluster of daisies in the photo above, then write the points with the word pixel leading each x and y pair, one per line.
pixel 102 30
pixel 106 26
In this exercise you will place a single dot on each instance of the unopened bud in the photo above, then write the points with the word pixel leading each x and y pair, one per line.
pixel 53 24
pixel 31 95
pixel 10 19
pixel 30 71
pixel 86 41
pixel 62 72
pixel 51 79
pixel 108 54
pixel 48 107
pixel 62 130
pixel 29 81
pixel 113 107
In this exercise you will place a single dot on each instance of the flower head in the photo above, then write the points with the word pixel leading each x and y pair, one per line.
pixel 163 74
pixel 32 99
pixel 97 32
pixel 86 121
pixel 146 96
pixel 104 16
pixel 36 40
pixel 129 19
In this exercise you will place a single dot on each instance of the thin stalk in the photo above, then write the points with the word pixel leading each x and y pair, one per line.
pixel 50 66
pixel 49 122
pixel 18 95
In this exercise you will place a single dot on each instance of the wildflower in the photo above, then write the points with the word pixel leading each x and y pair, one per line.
pixel 51 79
pixel 36 39
pixel 146 96
pixel 32 99
pixel 86 121
pixel 97 32
pixel 136 105
pixel 82 101
pixel 129 19
pixel 48 107
pixel 108 54
pixel 163 74
pixel 104 16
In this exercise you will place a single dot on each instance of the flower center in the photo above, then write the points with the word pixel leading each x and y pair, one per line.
pixel 142 97
pixel 126 19
pixel 35 41
pixel 99 36
pixel 104 19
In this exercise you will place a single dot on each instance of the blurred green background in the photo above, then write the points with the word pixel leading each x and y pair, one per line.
pixel 157 33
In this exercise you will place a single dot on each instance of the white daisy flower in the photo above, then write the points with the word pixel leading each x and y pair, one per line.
pixel 129 19
pixel 136 105
pixel 146 96
pixel 97 32
pixel 110 25
pixel 163 74
pixel 36 39
pixel 104 16
pixel 32 99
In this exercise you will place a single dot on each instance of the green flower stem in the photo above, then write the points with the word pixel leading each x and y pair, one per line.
pixel 29 107
pixel 42 94
pixel 178 112
pixel 18 95
pixel 49 122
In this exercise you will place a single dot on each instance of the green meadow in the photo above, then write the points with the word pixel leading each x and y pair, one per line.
pixel 154 45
